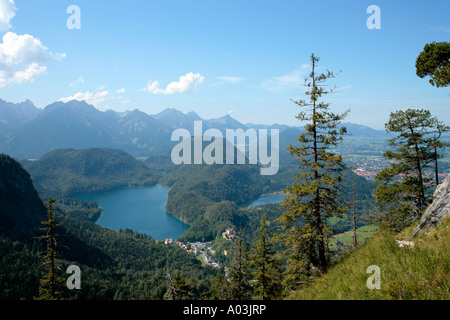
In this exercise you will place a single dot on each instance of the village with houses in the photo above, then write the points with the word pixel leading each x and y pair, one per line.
pixel 369 167
pixel 204 249
pixel 370 172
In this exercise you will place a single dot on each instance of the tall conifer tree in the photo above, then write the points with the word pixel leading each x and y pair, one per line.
pixel 314 195
pixel 219 287
pixel 267 268
pixel 51 284
pixel 239 273
pixel 178 288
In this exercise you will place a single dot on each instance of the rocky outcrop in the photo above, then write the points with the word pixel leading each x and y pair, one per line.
pixel 402 243
pixel 438 209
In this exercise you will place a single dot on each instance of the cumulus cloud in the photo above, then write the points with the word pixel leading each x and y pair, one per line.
pixel 121 90
pixel 185 83
pixel 91 98
pixel 27 74
pixel 22 58
pixel 7 12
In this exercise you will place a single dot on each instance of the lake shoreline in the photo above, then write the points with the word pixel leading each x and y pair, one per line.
pixel 268 198
pixel 140 208
pixel 276 193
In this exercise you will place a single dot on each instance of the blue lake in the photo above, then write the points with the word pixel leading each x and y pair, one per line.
pixel 141 209
pixel 273 198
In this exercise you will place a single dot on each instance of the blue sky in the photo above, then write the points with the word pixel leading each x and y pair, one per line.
pixel 245 58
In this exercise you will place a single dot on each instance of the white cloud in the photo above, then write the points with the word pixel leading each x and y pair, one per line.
pixel 74 83
pixel 121 90
pixel 288 81
pixel 28 74
pixel 22 58
pixel 186 83
pixel 96 98
pixel 7 12
pixel 91 98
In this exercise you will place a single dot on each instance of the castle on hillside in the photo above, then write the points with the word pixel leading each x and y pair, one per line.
pixel 228 234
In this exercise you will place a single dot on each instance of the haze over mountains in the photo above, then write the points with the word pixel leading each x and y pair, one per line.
pixel 29 132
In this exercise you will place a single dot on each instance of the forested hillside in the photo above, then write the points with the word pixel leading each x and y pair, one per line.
pixel 197 189
pixel 114 264
pixel 194 188
pixel 66 172
pixel 21 209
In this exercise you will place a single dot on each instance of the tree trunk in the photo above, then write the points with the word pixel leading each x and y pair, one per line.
pixel 421 195
pixel 355 241
pixel 317 218
pixel 436 171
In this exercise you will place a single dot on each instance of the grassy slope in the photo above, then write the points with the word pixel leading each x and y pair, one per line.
pixel 422 272
pixel 362 234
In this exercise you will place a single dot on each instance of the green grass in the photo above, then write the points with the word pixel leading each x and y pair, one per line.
pixel 422 272
pixel 199 258
pixel 362 235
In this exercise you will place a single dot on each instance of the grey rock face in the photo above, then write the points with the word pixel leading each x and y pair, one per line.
pixel 438 209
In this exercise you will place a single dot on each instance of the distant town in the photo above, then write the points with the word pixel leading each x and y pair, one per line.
pixel 369 168
pixel 204 249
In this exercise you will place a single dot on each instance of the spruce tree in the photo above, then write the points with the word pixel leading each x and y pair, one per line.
pixel 219 287
pixel 178 288
pixel 239 273
pixel 50 284
pixel 355 236
pixel 314 196
pixel 267 272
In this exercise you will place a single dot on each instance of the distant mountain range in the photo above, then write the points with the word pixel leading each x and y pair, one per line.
pixel 15 115
pixel 28 132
